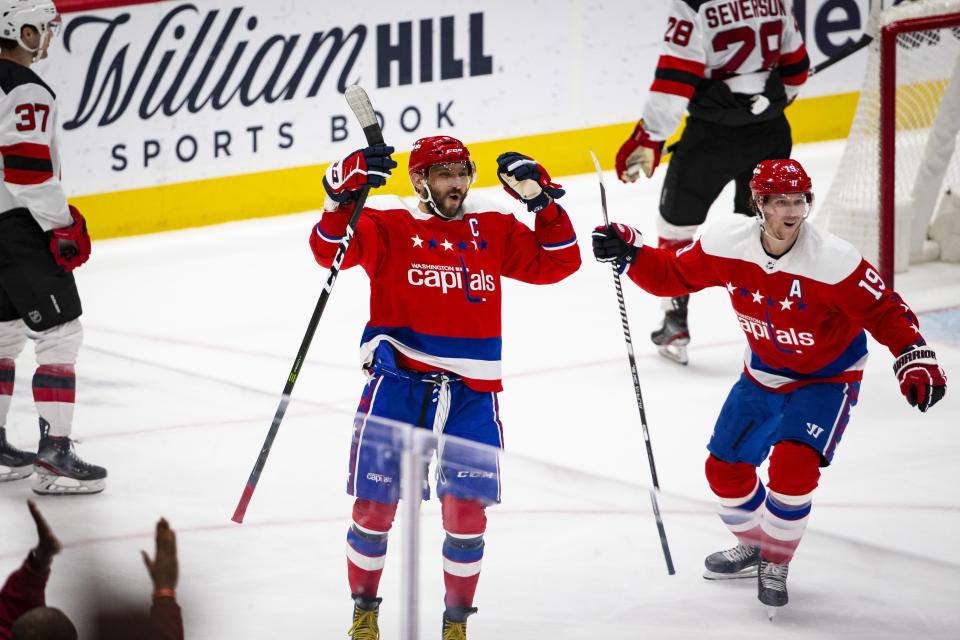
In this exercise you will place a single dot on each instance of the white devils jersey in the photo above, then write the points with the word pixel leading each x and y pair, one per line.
pixel 737 42
pixel 29 156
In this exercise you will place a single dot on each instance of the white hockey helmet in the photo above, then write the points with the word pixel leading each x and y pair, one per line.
pixel 40 14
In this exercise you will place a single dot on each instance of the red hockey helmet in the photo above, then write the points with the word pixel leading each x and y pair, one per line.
pixel 779 176
pixel 434 150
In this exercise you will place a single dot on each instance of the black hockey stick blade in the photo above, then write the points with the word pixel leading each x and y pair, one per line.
pixel 359 103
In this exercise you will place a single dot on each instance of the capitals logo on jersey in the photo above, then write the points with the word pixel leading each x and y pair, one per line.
pixel 446 277
pixel 763 329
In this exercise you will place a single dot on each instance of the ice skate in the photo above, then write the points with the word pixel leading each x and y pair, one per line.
pixel 365 613
pixel 772 585
pixel 738 562
pixel 60 471
pixel 455 622
pixel 14 463
pixel 673 336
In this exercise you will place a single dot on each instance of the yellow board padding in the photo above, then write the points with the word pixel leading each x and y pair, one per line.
pixel 257 195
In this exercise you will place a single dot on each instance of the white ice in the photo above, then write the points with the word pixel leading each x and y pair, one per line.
pixel 190 336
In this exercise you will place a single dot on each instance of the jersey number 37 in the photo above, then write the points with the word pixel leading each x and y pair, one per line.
pixel 32 116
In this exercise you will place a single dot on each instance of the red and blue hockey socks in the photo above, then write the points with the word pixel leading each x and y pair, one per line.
pixel 367 545
pixel 464 522
pixel 774 519
pixel 741 497
pixel 794 473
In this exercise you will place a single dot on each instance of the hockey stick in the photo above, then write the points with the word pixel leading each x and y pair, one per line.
pixel 636 383
pixel 850 49
pixel 847 51
pixel 360 105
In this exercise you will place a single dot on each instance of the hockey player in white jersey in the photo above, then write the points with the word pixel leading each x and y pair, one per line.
pixel 42 239
pixel 734 66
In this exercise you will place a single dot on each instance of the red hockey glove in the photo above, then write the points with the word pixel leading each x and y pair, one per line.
pixel 369 166
pixel 638 153
pixel 618 244
pixel 524 179
pixel 922 381
pixel 71 245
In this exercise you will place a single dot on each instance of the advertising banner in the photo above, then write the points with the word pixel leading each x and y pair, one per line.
pixel 222 109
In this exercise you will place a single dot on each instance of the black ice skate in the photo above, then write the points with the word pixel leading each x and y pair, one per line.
pixel 455 622
pixel 14 463
pixel 772 585
pixel 738 562
pixel 365 613
pixel 60 471
pixel 673 336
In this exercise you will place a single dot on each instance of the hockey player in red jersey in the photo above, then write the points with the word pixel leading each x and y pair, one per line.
pixel 42 239
pixel 803 297
pixel 432 345
pixel 734 66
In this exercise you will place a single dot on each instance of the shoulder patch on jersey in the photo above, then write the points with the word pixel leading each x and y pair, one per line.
pixel 13 75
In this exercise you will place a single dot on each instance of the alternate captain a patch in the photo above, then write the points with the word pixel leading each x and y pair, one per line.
pixel 795 291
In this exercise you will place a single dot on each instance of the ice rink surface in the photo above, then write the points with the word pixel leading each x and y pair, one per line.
pixel 190 336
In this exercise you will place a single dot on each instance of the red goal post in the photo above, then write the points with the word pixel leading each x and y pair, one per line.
pixel 888 98
pixel 899 159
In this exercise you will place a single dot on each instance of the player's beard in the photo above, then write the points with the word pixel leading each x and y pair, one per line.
pixel 450 202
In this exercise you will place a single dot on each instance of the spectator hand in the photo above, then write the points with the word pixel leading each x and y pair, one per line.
pixel 524 179
pixel 922 381
pixel 164 569
pixel 638 153
pixel 71 245
pixel 41 556
pixel 369 166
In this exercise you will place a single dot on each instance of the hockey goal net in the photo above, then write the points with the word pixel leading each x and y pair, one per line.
pixel 900 164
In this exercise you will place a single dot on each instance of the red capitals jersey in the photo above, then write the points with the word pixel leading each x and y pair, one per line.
pixel 737 42
pixel 435 284
pixel 804 313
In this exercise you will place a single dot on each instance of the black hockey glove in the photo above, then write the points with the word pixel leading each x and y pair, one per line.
pixel 618 244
